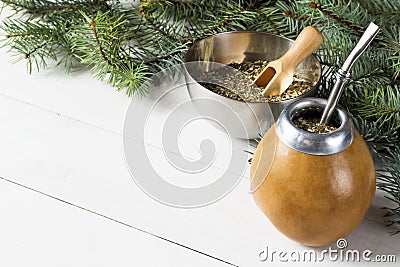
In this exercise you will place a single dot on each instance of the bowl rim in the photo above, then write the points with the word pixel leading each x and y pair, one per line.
pixel 258 33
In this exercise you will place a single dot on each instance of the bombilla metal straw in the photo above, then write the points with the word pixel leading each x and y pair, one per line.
pixel 343 74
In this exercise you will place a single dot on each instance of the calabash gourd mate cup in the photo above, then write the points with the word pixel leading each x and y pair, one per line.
pixel 314 188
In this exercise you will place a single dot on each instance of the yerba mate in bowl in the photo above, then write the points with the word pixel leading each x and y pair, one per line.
pixel 240 89
pixel 210 54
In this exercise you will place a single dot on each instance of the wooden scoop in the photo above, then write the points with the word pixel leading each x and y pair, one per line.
pixel 278 75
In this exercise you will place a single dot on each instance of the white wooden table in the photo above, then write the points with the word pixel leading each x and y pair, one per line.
pixel 68 199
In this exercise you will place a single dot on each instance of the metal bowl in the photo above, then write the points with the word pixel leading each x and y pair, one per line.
pixel 225 48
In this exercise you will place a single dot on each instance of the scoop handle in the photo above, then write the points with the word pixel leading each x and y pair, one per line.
pixel 305 44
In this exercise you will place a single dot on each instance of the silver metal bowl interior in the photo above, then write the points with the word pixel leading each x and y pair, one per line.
pixel 245 46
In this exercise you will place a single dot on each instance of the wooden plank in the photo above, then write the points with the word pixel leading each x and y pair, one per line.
pixel 37 230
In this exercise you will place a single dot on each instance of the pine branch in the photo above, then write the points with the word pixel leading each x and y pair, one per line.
pixel 389 182
pixel 100 43
pixel 328 11
pixel 268 20
pixel 40 7
pixel 96 36
pixel 378 140
pixel 158 28
pixel 392 35
pixel 35 42
pixel 386 11
pixel 382 105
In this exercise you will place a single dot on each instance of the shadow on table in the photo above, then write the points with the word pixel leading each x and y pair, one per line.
pixel 372 233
